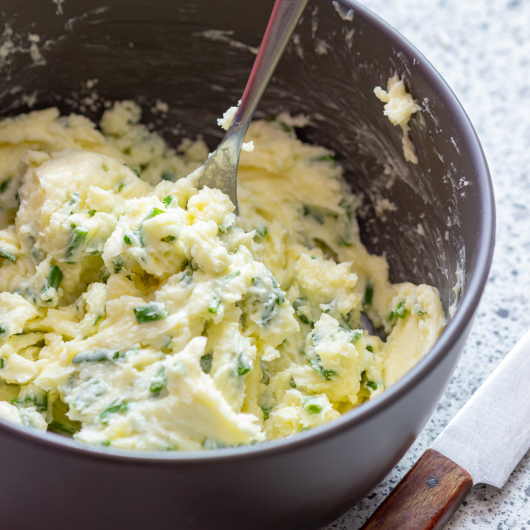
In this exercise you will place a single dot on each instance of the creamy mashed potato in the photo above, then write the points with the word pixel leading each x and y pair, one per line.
pixel 399 107
pixel 139 312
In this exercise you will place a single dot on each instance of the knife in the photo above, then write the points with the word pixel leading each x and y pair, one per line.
pixel 481 445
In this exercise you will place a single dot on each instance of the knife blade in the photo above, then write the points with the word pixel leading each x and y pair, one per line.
pixel 491 433
pixel 481 445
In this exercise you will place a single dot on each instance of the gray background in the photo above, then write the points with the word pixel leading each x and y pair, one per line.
pixel 482 49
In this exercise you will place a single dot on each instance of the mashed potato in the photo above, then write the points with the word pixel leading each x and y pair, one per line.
pixel 137 311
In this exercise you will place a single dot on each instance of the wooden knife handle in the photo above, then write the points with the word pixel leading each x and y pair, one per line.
pixel 426 497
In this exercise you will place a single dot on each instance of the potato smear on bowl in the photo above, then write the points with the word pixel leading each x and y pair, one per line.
pixel 139 312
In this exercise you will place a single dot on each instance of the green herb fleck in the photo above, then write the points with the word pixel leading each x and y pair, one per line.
pixel 262 232
pixel 135 171
pixel 420 313
pixel 118 408
pixel 7 255
pixel 243 365
pixel 266 412
pixel 127 239
pixel 356 335
pixel 167 200
pixel 92 213
pixel 153 213
pixel 168 176
pixel 369 348
pixel 213 306
pixel 98 318
pixel 401 310
pixel 292 382
pixel 368 294
pixel 233 275
pixel 121 187
pixel 4 185
pixel 60 428
pixel 168 239
pixel 78 238
pixel 157 387
pixel 312 408
pixel 15 401
pixel 206 362
pixel 2 362
pixel 325 158
pixel 2 330
pixel 286 127
pixel 95 356
pixel 55 277
pixel 150 313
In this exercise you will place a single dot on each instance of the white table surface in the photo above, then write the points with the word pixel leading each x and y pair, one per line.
pixel 482 49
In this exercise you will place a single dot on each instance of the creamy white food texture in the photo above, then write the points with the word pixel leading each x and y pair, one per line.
pixel 139 312
pixel 400 106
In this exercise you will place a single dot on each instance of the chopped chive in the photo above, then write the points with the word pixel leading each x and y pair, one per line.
pixel 4 185
pixel 96 356
pixel 15 401
pixel 420 313
pixel 155 388
pixel 213 306
pixel 262 232
pixel 266 412
pixel 390 316
pixel 97 320
pixel 7 255
pixel 325 158
pixel 55 277
pixel 233 275
pixel 113 409
pixel 292 382
pixel 2 330
pixel 372 385
pixel 78 238
pixel 168 239
pixel 356 335
pixel 368 294
pixel 206 362
pixel 243 365
pixel 106 443
pixel 153 213
pixel 150 313
pixel 285 127
pixel 401 310
pixel 328 374
pixel 312 408
pixel 91 213
pixel 168 175
pixel 369 348
pixel 121 187
pixel 135 171
pixel 167 200
pixel 127 239
pixel 59 427
pixel 2 362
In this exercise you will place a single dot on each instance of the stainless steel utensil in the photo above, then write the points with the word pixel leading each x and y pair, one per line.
pixel 220 170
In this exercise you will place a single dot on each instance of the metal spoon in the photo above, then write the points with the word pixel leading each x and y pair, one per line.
pixel 220 170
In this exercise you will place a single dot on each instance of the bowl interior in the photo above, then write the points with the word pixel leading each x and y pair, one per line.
pixel 195 55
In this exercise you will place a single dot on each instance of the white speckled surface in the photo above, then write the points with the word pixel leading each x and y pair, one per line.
pixel 482 49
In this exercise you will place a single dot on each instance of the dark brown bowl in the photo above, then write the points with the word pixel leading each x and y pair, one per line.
pixel 145 50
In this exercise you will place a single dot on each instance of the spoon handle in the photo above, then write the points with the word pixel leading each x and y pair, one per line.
pixel 282 22
pixel 220 170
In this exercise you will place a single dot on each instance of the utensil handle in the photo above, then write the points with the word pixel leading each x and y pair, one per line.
pixel 425 498
pixel 284 17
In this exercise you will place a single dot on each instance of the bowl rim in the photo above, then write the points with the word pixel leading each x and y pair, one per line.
pixel 475 283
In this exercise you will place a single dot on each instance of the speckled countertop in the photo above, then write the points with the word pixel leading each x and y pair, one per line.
pixel 482 49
